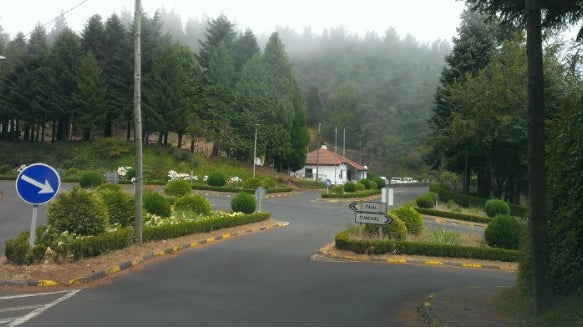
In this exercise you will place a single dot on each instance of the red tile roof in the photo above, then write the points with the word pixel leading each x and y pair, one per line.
pixel 324 156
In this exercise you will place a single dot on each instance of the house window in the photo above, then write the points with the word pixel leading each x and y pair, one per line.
pixel 309 174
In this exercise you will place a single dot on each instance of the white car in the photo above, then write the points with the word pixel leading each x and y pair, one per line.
pixel 396 180
pixel 408 180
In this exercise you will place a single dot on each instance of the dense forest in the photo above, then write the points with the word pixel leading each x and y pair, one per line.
pixel 209 81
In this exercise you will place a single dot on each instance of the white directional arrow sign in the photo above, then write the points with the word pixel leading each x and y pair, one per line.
pixel 370 207
pixel 45 188
pixel 371 218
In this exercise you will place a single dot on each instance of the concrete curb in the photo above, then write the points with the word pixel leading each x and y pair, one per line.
pixel 397 259
pixel 129 264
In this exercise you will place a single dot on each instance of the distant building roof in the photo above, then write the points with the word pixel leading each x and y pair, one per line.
pixel 324 156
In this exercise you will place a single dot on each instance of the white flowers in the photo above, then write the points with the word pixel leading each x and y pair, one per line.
pixel 21 167
pixel 173 176
pixel 123 170
pixel 234 180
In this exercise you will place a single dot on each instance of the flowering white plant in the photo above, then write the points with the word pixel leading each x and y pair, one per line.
pixel 235 180
pixel 173 175
pixel 21 167
pixel 123 170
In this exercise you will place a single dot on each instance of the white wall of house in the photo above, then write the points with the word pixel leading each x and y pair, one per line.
pixel 338 174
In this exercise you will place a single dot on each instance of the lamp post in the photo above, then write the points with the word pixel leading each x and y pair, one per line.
pixel 318 152
pixel 255 150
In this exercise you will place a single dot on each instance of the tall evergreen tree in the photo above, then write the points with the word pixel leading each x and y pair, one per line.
pixel 89 97
pixel 92 38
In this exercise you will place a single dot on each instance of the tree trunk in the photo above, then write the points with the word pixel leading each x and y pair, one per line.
pixel 536 158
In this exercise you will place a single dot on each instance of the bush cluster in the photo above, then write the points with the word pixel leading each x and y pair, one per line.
pixel 505 231
pixel 495 207
pixel 91 180
pixel 120 206
pixel 252 183
pixel 379 182
pixel 412 219
pixel 396 229
pixel 79 211
pixel 177 188
pixel 243 202
pixel 425 201
pixel 216 179
pixel 155 203
pixel 193 203
pixel 337 190
pixel 350 186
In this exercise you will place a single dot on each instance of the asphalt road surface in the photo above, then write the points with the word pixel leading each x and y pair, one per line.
pixel 270 278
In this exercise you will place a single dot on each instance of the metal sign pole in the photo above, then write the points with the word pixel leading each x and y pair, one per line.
pixel 32 237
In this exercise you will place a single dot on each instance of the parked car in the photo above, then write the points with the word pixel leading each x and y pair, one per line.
pixel 396 180
pixel 408 180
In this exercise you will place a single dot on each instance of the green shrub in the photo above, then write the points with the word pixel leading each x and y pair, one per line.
pixel 131 173
pixel 252 183
pixel 120 206
pixel 156 204
pixel 453 206
pixel 243 202
pixel 350 186
pixel 337 190
pixel 448 180
pixel 505 231
pixel 494 207
pixel 379 182
pixel 268 182
pixel 395 230
pixel 72 172
pixel 177 188
pixel 91 180
pixel 366 183
pixel 193 203
pixel 360 187
pixel 425 201
pixel 216 179
pixel 78 211
pixel 412 219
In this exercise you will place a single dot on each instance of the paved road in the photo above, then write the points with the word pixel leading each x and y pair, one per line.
pixel 265 279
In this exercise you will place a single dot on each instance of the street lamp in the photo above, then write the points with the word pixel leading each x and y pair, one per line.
pixel 255 150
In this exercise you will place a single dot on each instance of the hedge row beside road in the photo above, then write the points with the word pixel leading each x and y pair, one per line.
pixel 452 215
pixel 378 247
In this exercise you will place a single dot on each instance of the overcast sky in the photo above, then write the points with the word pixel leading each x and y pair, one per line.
pixel 426 20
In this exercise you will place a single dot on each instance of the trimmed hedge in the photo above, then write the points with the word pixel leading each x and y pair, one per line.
pixel 452 215
pixel 19 252
pixel 238 189
pixel 187 228
pixel 365 193
pixel 378 247
pixel 467 201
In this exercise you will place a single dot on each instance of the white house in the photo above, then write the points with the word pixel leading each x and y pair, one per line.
pixel 326 164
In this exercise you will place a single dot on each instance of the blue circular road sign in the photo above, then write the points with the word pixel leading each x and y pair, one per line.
pixel 37 183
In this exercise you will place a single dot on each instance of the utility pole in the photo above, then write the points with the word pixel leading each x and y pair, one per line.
pixel 318 151
pixel 138 117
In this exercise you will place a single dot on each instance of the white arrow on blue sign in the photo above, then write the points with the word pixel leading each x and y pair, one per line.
pixel 37 183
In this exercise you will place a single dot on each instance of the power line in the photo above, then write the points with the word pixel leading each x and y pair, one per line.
pixel 61 15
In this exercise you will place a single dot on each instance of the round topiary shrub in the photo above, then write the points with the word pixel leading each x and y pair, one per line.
pixel 380 182
pixel 425 201
pixel 120 206
pixel 91 180
pixel 350 187
pixel 252 183
pixel 243 202
pixel 268 182
pixel 396 230
pixel 505 231
pixel 412 219
pixel 360 187
pixel 156 204
pixel 337 190
pixel 365 183
pixel 193 203
pixel 177 188
pixel 494 207
pixel 216 179
pixel 78 211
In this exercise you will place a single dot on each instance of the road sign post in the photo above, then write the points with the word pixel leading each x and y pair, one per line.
pixel 37 184
pixel 259 195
